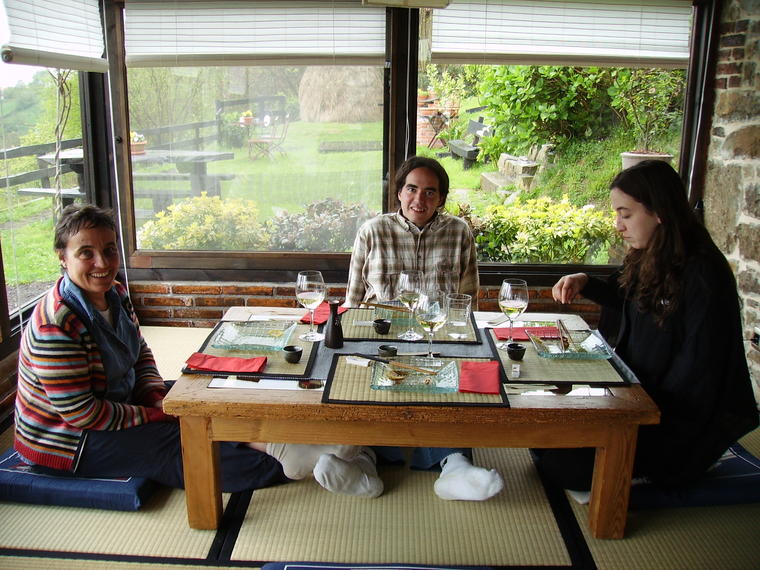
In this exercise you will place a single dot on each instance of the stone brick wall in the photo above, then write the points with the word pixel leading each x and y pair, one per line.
pixel 191 304
pixel 732 186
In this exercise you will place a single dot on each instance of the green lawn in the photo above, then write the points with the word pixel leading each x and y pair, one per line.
pixel 304 175
pixel 28 254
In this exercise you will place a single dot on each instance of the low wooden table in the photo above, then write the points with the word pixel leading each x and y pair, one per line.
pixel 609 423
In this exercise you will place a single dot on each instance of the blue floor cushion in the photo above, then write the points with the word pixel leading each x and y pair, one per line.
pixel 733 480
pixel 20 483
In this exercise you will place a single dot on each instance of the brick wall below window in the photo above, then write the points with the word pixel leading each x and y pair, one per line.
pixel 201 304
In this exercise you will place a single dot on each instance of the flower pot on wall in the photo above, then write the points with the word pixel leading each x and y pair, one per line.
pixel 137 147
pixel 632 157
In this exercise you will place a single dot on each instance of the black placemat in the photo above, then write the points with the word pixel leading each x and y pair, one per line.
pixel 350 384
pixel 538 370
pixel 356 324
pixel 275 366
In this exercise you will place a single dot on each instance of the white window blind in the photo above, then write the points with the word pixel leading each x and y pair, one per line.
pixel 65 34
pixel 194 32
pixel 652 33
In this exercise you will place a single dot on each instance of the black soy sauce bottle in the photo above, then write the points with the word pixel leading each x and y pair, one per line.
pixel 333 328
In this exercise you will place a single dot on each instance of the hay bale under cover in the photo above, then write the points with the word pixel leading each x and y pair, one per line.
pixel 341 94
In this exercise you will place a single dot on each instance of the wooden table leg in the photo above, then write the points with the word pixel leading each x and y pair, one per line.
pixel 200 459
pixel 613 467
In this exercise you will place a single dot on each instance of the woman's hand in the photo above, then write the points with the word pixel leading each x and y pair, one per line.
pixel 569 287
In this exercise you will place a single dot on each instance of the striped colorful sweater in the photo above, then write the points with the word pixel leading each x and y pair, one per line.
pixel 61 384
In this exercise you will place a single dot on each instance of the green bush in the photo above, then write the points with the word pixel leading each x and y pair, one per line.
pixel 543 231
pixel 326 225
pixel 649 101
pixel 205 223
pixel 231 133
pixel 532 105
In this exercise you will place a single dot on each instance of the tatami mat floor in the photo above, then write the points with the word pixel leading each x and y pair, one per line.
pixel 522 528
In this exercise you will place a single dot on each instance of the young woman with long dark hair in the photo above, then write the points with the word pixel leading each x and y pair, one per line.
pixel 680 332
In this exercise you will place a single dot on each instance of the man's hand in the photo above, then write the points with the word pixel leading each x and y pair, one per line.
pixel 569 287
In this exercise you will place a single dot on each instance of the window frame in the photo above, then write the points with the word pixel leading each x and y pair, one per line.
pixel 400 110
pixel 105 107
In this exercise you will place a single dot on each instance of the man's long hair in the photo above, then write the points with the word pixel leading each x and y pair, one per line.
pixel 653 276
pixel 423 162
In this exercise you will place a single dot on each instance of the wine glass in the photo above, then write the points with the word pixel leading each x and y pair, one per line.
pixel 409 286
pixel 431 314
pixel 513 300
pixel 310 292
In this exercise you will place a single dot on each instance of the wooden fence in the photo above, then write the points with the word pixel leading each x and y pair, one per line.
pixel 160 137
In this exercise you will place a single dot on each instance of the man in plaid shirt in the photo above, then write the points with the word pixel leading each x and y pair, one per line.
pixel 419 236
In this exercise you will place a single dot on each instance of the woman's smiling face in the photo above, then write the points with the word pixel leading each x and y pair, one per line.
pixel 633 221
pixel 91 259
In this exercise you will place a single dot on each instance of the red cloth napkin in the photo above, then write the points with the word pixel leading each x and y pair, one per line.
pixel 479 377
pixel 321 314
pixel 200 361
pixel 518 333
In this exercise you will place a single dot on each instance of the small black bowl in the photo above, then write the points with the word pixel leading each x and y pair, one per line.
pixel 387 350
pixel 292 353
pixel 382 326
pixel 515 351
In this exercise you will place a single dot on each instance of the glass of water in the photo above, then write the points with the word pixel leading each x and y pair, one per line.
pixel 458 314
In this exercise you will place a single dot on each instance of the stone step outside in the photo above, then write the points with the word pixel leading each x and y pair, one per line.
pixel 492 181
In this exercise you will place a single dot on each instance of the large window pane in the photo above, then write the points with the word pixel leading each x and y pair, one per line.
pixel 285 158
pixel 548 138
pixel 37 107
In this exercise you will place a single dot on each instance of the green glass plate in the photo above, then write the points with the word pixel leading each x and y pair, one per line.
pixel 445 376
pixel 253 335
pixel 585 345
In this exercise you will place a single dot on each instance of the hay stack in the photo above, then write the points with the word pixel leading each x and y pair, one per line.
pixel 341 94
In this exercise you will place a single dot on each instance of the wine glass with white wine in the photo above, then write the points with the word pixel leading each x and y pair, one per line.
pixel 513 300
pixel 431 314
pixel 409 287
pixel 310 292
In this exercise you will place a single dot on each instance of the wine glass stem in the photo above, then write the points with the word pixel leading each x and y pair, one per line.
pixel 510 329
pixel 411 325
pixel 311 324
pixel 430 344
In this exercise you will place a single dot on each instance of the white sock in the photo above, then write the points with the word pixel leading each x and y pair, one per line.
pixel 462 481
pixel 298 460
pixel 580 497
pixel 357 477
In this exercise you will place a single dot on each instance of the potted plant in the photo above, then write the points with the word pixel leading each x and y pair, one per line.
pixel 137 143
pixel 648 102
pixel 247 117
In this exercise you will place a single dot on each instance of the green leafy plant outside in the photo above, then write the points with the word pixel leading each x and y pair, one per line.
pixel 648 101
pixel 544 231
pixel 231 132
pixel 532 105
pixel 326 225
pixel 205 223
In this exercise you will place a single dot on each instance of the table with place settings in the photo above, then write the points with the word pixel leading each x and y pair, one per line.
pixel 332 397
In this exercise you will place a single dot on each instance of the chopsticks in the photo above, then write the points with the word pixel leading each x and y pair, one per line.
pixel 384 306
pixel 565 334
pixel 394 364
